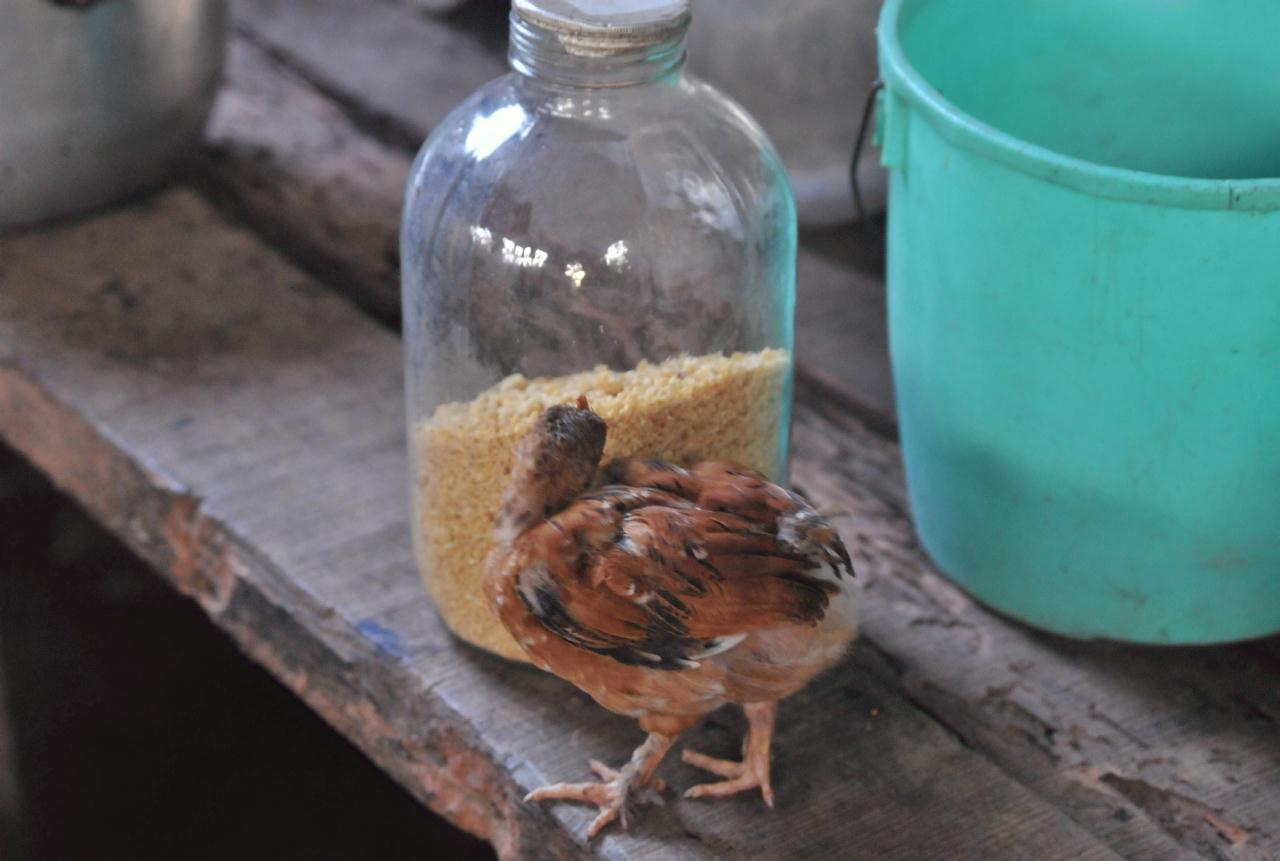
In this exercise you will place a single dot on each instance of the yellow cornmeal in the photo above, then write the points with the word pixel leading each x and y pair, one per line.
pixel 684 410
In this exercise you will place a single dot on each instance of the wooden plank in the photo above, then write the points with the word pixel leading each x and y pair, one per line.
pixel 435 7
pixel 241 428
pixel 840 317
pixel 1167 763
pixel 287 160
pixel 397 72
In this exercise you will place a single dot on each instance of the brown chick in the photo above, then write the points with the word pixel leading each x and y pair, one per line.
pixel 664 594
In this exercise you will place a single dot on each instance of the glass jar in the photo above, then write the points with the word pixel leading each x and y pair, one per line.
pixel 594 223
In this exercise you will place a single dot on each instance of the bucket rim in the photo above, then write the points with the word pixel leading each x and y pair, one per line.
pixel 902 79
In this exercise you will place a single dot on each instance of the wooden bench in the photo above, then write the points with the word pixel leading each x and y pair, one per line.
pixel 213 373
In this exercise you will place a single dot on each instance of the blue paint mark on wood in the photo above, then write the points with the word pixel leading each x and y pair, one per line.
pixel 383 637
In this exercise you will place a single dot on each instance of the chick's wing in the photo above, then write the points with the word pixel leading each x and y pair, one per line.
pixel 674 583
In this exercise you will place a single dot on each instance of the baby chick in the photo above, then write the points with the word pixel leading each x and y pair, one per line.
pixel 664 594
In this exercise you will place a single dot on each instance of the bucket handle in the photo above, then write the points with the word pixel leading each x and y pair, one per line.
pixel 867 110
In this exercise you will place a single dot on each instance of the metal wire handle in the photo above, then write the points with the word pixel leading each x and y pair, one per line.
pixel 867 110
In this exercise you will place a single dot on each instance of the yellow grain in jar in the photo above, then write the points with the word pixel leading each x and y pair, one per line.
pixel 685 409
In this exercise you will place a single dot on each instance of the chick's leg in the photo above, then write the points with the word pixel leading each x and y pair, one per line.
pixel 753 771
pixel 611 795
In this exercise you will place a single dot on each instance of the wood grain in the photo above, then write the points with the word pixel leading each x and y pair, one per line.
pixel 1151 781
pixel 286 159
pixel 230 446
pixel 240 427
pixel 842 339
pixel 1162 753
pixel 393 70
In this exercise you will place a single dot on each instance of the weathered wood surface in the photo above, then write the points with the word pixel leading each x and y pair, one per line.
pixel 395 70
pixel 435 7
pixel 840 320
pixel 241 428
pixel 287 160
pixel 1161 753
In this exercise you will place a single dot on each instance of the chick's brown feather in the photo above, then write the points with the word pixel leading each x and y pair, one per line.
pixel 713 485
pixel 654 579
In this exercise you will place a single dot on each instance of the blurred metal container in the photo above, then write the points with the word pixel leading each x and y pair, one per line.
pixel 99 99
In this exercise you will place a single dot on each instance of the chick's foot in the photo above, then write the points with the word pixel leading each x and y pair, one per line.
pixel 752 772
pixel 617 786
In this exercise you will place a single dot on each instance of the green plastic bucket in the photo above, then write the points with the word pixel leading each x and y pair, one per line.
pixel 1084 306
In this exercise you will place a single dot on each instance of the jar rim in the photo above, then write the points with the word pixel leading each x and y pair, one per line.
pixel 602 27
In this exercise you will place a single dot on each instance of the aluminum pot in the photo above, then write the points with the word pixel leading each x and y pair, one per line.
pixel 99 99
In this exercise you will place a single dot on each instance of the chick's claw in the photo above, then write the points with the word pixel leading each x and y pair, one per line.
pixel 603 771
pixel 741 776
pixel 617 786
pixel 723 767
pixel 753 771
pixel 610 797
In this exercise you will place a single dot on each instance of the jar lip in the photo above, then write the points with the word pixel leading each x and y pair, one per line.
pixel 602 28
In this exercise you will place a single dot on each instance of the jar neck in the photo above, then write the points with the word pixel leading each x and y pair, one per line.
pixel 587 60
